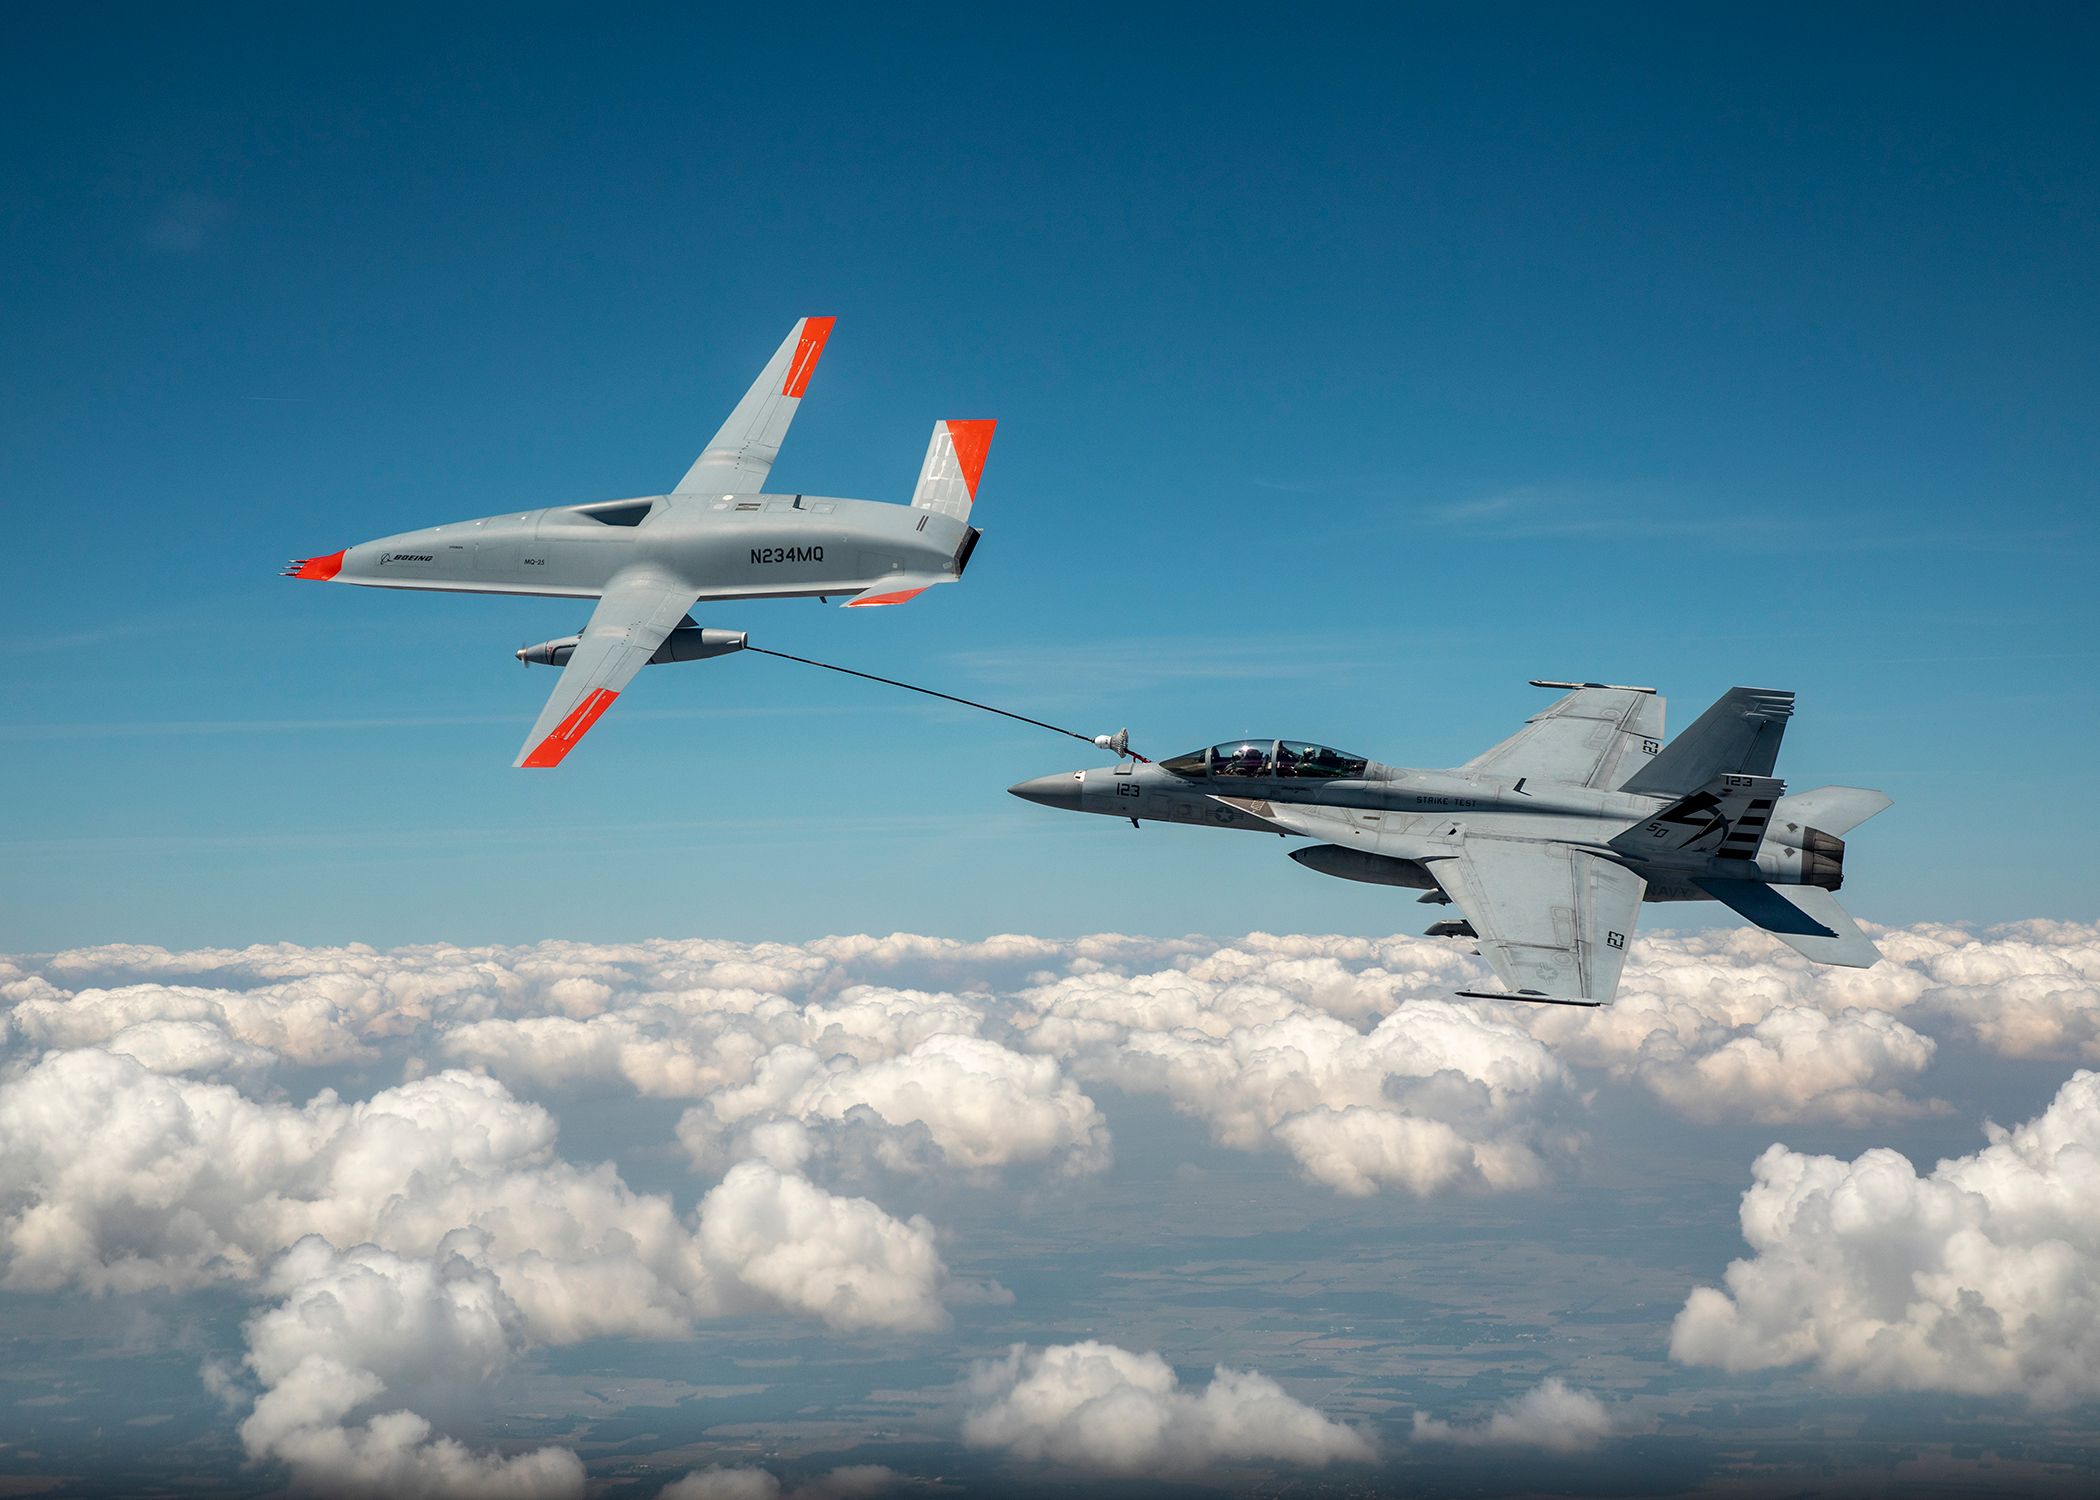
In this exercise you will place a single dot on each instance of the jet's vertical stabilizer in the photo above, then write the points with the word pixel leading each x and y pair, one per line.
pixel 1806 918
pixel 1740 734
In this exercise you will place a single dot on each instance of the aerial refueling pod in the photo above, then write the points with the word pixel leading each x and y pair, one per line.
pixel 1355 864
pixel 686 643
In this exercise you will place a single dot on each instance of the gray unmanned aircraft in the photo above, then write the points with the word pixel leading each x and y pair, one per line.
pixel 1548 843
pixel 717 535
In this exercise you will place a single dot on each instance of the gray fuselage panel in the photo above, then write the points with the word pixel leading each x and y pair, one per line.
pixel 721 546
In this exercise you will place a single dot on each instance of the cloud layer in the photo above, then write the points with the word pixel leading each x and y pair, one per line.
pixel 365 1145
pixel 973 1057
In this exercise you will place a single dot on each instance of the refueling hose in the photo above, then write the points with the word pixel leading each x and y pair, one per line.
pixel 1104 742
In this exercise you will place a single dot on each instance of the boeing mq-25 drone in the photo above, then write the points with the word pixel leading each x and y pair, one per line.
pixel 716 535
pixel 1548 843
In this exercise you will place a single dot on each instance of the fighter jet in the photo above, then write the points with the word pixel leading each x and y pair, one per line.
pixel 718 534
pixel 1548 843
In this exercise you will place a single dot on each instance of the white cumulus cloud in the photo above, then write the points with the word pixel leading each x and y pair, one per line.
pixel 1435 1094
pixel 129 1180
pixel 1981 1276
pixel 2026 989
pixel 716 1482
pixel 352 1328
pixel 1551 1415
pixel 412 1245
pixel 1097 1406
pixel 1731 1024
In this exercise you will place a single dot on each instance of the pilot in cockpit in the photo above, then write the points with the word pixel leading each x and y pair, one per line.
pixel 1248 759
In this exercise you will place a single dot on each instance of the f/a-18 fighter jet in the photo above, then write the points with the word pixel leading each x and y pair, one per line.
pixel 1548 843
pixel 717 535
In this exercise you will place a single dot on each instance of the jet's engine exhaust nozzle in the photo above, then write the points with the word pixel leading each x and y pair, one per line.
pixel 1807 857
pixel 686 643
pixel 1822 859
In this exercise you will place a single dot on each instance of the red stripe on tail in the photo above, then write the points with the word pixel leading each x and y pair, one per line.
pixel 973 440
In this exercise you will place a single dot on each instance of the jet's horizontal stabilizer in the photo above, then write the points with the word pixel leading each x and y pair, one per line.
pixel 1837 810
pixel 1805 917
pixel 898 588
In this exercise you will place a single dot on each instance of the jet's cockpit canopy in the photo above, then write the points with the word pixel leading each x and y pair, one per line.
pixel 1284 759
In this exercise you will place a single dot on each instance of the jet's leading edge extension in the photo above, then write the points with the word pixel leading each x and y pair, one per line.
pixel 717 535
pixel 1548 843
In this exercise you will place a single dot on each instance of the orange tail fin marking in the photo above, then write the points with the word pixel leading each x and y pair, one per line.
pixel 973 440
pixel 549 751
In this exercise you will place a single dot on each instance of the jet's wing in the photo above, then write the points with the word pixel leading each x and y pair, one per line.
pixel 1594 736
pixel 741 456
pixel 637 611
pixel 1553 920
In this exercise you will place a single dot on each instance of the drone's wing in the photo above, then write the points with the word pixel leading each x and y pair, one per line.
pixel 1553 921
pixel 741 456
pixel 638 609
pixel 1594 736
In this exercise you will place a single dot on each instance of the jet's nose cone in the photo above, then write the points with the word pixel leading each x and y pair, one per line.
pixel 1061 790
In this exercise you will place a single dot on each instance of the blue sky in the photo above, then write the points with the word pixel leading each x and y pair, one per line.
pixel 1352 367
pixel 1347 375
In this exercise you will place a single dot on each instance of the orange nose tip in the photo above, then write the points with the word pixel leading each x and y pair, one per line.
pixel 320 568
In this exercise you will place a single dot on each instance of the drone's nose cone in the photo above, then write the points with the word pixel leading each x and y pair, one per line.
pixel 1061 790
